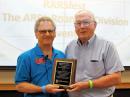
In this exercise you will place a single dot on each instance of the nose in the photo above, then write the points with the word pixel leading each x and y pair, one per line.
pixel 82 25
pixel 47 33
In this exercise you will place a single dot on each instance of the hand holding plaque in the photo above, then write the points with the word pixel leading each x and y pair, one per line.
pixel 64 72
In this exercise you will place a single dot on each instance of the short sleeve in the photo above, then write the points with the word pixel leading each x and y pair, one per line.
pixel 112 61
pixel 22 69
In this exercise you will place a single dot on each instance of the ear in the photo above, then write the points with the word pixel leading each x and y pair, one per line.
pixel 36 35
pixel 54 34
pixel 95 23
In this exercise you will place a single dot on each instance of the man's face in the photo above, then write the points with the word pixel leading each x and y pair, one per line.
pixel 46 33
pixel 84 26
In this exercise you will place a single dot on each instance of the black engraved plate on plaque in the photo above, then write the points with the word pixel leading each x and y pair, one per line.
pixel 64 72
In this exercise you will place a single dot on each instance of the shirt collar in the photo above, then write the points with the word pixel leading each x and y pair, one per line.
pixel 87 43
pixel 39 52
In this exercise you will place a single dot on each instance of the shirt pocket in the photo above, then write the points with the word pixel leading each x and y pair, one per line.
pixel 96 67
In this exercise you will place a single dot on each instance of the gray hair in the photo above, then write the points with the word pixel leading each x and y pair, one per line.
pixel 44 18
pixel 86 12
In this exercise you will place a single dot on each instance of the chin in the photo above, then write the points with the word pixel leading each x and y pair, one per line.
pixel 83 38
pixel 48 43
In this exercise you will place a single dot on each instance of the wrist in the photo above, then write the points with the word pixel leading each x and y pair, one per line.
pixel 43 89
pixel 90 84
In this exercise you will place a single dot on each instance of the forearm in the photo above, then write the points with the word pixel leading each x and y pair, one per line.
pixel 107 80
pixel 28 88
pixel 102 82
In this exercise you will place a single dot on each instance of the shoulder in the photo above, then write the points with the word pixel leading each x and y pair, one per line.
pixel 104 42
pixel 23 60
pixel 59 52
pixel 73 43
pixel 25 54
pixel 104 45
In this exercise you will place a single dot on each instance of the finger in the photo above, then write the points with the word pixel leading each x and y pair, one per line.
pixel 72 86
pixel 58 90
pixel 56 86
pixel 71 90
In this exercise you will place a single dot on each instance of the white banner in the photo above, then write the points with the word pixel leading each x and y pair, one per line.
pixel 17 18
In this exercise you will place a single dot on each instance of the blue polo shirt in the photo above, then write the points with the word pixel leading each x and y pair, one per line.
pixel 34 67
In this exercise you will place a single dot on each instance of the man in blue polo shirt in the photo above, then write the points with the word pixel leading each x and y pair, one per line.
pixel 34 67
pixel 98 64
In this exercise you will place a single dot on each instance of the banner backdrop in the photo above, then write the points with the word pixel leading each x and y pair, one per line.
pixel 17 18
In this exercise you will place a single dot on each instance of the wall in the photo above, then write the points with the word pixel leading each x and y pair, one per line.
pixel 7 76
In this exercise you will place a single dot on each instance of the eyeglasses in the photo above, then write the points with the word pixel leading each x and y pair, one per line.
pixel 84 23
pixel 45 31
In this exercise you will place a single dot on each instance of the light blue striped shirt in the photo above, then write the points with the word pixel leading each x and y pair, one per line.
pixel 95 58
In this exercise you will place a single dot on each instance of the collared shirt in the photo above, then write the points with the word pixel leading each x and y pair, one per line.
pixel 95 58
pixel 34 67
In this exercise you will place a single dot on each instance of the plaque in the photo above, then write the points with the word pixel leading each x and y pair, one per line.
pixel 64 72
